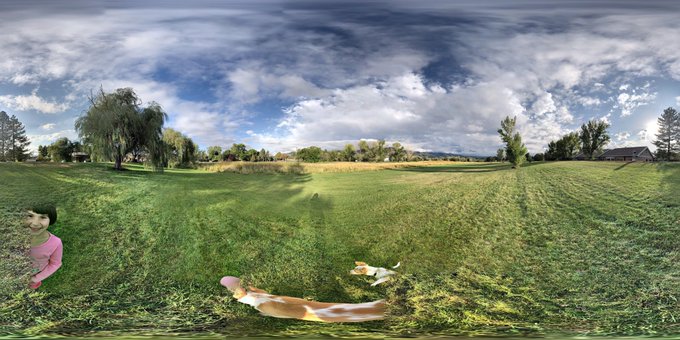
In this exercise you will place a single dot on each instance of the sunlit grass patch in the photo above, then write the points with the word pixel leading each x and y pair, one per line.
pixel 464 302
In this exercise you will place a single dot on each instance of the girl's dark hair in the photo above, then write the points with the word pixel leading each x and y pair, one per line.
pixel 48 209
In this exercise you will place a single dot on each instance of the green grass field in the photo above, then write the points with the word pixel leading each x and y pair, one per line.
pixel 575 247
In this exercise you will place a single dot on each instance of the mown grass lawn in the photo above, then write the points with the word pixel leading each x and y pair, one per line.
pixel 576 247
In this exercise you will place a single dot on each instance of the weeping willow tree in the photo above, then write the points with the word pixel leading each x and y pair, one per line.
pixel 151 134
pixel 180 150
pixel 116 125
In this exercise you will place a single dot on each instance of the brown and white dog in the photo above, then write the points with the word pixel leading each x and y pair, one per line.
pixel 295 308
pixel 381 274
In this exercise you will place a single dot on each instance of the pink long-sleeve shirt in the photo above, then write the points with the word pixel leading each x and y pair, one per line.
pixel 47 257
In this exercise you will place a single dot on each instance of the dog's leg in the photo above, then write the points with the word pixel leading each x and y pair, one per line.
pixel 380 281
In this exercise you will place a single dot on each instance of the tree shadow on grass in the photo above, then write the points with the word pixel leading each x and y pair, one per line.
pixel 623 165
pixel 670 184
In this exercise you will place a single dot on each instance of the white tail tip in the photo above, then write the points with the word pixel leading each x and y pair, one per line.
pixel 398 263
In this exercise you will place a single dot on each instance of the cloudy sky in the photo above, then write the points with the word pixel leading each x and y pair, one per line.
pixel 434 75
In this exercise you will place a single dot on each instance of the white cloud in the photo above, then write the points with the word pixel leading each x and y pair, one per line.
pixel 589 101
pixel 47 139
pixel 677 100
pixel 629 102
pixel 246 85
pixel 544 104
pixel 108 43
pixel 32 102
pixel 462 119
pixel 48 127
pixel 250 85
pixel 606 119
pixel 25 78
pixel 622 136
pixel 564 116
pixel 643 134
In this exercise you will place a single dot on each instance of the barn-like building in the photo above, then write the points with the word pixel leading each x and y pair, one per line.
pixel 638 153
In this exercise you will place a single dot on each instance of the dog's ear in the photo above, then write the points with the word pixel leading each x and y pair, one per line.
pixel 359 263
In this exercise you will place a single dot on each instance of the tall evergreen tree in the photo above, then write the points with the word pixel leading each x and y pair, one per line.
pixel 668 138
pixel 18 142
pixel 4 135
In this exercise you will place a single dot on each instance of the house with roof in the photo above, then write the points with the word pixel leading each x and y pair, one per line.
pixel 79 157
pixel 637 153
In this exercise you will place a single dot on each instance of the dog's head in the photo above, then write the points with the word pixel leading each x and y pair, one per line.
pixel 234 285
pixel 360 269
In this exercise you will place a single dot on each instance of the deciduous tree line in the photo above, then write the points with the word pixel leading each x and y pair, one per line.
pixel 13 140
pixel 366 151
pixel 373 151
pixel 593 137
pixel 239 152
pixel 590 140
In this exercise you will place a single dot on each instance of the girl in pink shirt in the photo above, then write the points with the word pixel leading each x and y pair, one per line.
pixel 46 249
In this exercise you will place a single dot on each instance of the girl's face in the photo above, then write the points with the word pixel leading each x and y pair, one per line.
pixel 37 223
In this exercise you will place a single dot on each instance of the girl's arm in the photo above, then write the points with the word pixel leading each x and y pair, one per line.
pixel 55 263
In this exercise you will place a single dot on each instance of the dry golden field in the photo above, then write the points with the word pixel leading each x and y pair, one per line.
pixel 298 168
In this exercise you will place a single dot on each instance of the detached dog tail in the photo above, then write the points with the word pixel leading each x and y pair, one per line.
pixel 397 266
